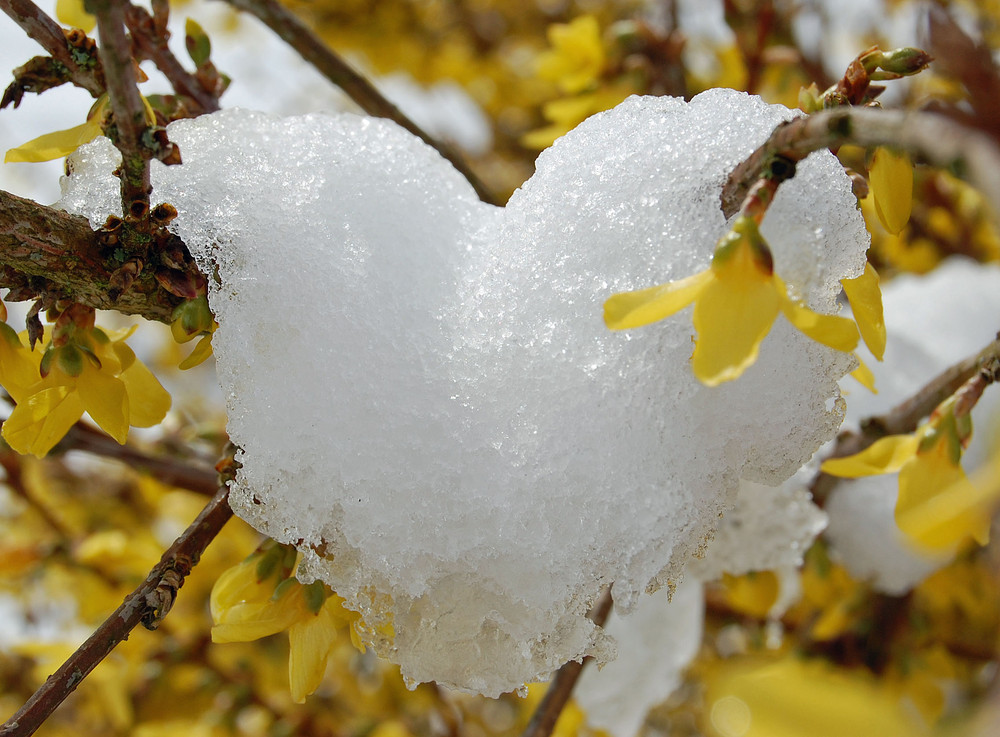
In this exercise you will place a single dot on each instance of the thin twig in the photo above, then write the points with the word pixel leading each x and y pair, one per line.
pixel 931 139
pixel 312 48
pixel 201 480
pixel 126 103
pixel 543 721
pixel 39 26
pixel 153 45
pixel 906 416
pixel 144 605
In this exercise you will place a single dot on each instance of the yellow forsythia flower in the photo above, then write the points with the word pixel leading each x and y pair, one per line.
pixel 576 58
pixel 72 13
pixel 61 143
pixel 937 507
pixel 93 373
pixel 891 181
pixel 736 301
pixel 249 601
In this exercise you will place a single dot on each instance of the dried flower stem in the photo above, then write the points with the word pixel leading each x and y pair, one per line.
pixel 543 721
pixel 312 48
pixel 144 605
pixel 39 26
pixel 929 138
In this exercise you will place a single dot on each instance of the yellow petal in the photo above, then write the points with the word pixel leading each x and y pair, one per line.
pixel 733 314
pixel 938 507
pixel 238 585
pixel 834 331
pixel 891 181
pixel 71 13
pixel 148 401
pixel 885 455
pixel 310 641
pixel 199 355
pixel 865 296
pixel 253 620
pixel 17 371
pixel 43 418
pixel 864 376
pixel 55 145
pixel 634 309
pixel 105 399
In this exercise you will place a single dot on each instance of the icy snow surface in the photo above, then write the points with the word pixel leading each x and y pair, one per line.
pixel 427 399
pixel 768 529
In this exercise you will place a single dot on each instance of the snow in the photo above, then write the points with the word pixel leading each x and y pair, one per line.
pixel 655 643
pixel 428 402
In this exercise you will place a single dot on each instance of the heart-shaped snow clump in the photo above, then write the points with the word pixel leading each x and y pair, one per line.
pixel 429 404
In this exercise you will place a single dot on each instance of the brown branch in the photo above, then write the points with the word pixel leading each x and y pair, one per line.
pixel 146 605
pixel 130 123
pixel 47 32
pixel 312 48
pixel 931 139
pixel 44 250
pixel 199 479
pixel 543 721
pixel 152 43
pixel 906 416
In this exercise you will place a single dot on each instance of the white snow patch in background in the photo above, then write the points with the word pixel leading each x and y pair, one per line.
pixel 655 644
pixel 932 322
pixel 427 398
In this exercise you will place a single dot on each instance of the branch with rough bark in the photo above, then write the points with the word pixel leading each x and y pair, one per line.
pixel 82 69
pixel 48 252
pixel 130 122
